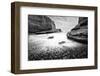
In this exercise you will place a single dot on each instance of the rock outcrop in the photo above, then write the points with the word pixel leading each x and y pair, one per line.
pixel 80 31
pixel 39 24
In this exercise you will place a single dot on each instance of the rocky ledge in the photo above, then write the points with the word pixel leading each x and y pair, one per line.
pixel 80 31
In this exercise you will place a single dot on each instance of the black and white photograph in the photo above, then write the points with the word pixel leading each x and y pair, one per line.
pixel 52 37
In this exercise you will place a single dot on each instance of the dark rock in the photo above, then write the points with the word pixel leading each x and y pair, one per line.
pixel 62 42
pixel 50 37
pixel 39 24
pixel 80 32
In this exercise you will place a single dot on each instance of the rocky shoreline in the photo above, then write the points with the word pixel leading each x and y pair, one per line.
pixel 79 32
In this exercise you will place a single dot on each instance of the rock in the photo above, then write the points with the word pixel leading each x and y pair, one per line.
pixel 39 24
pixel 80 31
pixel 62 42
pixel 50 37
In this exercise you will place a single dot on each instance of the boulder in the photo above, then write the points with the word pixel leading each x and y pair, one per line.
pixel 80 31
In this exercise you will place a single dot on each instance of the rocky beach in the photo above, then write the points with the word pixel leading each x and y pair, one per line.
pixel 46 42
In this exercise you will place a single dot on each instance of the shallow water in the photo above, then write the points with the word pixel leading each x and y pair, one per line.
pixel 43 40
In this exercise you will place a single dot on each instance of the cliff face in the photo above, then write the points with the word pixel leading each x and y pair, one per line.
pixel 80 31
pixel 40 24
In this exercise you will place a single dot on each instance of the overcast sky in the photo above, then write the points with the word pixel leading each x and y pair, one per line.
pixel 65 23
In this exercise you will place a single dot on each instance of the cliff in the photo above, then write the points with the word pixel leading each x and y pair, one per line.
pixel 80 31
pixel 39 24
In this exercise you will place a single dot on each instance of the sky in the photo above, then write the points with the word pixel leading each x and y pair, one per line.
pixel 65 23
